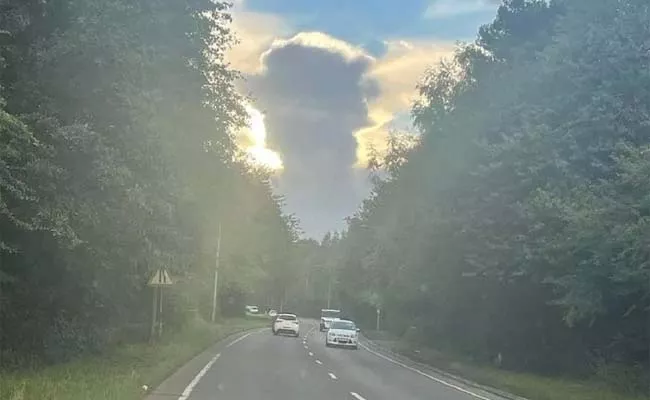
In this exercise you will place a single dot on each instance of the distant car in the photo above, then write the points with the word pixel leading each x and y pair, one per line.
pixel 287 324
pixel 252 309
pixel 326 318
pixel 342 333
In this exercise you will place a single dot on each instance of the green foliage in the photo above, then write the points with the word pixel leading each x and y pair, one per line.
pixel 120 373
pixel 117 160
pixel 518 225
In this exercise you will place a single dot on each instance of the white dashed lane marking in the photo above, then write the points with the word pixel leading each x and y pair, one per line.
pixel 357 396
pixel 332 376
pixel 319 362
pixel 311 354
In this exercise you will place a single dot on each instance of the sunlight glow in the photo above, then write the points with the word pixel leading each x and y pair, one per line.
pixel 257 151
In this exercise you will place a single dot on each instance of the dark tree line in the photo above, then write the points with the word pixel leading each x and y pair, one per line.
pixel 117 159
pixel 519 225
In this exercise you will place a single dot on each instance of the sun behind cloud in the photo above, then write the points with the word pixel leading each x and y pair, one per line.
pixel 396 72
pixel 254 142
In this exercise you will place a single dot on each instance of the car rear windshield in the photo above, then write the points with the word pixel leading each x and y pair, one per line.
pixel 345 325
pixel 330 313
pixel 287 317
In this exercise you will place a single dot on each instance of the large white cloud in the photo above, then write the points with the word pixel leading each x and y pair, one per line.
pixel 326 102
pixel 315 90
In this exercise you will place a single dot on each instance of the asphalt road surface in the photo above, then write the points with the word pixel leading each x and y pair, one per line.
pixel 258 365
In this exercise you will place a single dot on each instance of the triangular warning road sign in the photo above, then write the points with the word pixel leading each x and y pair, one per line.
pixel 160 278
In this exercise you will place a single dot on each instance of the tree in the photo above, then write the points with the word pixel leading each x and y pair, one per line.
pixel 117 160
pixel 517 225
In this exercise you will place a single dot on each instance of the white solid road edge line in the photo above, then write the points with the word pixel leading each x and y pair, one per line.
pixel 433 378
pixel 188 390
pixel 197 378
pixel 239 339
pixel 332 375
pixel 357 396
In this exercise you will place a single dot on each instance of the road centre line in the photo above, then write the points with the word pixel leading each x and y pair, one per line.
pixel 197 378
pixel 332 375
pixel 433 378
pixel 357 396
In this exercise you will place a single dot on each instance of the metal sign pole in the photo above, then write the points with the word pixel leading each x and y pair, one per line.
pixel 160 313
pixel 159 279
pixel 153 314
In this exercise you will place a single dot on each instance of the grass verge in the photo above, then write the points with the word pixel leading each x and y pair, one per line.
pixel 529 386
pixel 119 374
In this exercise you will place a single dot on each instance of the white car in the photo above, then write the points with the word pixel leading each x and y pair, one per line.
pixel 342 333
pixel 326 318
pixel 252 309
pixel 287 324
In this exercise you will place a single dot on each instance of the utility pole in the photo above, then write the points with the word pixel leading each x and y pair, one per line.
pixel 329 287
pixel 216 277
pixel 378 316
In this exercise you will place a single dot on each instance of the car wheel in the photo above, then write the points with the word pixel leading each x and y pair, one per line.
pixel 275 333
pixel 297 334
pixel 355 347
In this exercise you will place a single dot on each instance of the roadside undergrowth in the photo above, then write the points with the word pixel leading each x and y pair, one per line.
pixel 121 373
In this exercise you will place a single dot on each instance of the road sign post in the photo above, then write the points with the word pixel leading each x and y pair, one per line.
pixel 158 282
pixel 154 314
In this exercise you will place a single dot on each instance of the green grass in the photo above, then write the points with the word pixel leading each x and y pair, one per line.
pixel 536 387
pixel 119 374
pixel 532 387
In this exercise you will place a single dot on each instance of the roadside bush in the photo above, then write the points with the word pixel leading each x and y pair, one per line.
pixel 630 379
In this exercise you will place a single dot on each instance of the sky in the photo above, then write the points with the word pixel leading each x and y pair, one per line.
pixel 329 80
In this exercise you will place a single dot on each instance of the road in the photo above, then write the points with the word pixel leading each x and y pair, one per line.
pixel 258 365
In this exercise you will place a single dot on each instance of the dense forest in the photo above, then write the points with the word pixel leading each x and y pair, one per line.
pixel 518 226
pixel 515 227
pixel 117 158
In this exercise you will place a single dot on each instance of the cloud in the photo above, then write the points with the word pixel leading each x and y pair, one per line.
pixel 403 65
pixel 440 9
pixel 255 33
pixel 314 90
pixel 326 102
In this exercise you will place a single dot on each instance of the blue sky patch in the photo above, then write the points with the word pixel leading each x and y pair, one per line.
pixel 367 22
